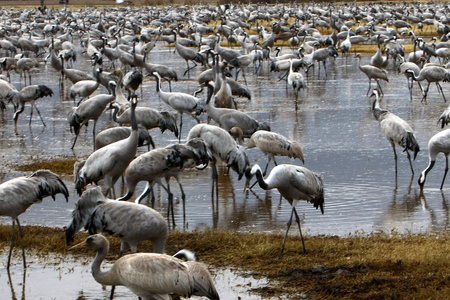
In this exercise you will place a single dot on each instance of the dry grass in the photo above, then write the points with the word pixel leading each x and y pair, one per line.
pixel 376 267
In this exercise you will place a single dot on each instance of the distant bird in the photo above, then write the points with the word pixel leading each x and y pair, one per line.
pixel 431 74
pixel 438 143
pixel 272 144
pixel 114 134
pixel 295 80
pixel 109 162
pixel 132 81
pixel 187 54
pixel 397 131
pixel 30 93
pixel 24 65
pixel 181 102
pixel 84 88
pixel 405 65
pixel 130 222
pixel 294 183
pixel 372 73
pixel 90 109
pixel 17 194
pixel 346 44
pixel 160 275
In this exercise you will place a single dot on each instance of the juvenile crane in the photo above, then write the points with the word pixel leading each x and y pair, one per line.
pixel 17 194
pixel 397 131
pixel 294 183
pixel 161 276
pixel 438 143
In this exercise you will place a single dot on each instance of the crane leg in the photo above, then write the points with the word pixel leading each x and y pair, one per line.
pixel 370 86
pixel 297 219
pixel 379 86
pixel 39 113
pixel 410 162
pixel 75 140
pixel 445 172
pixel 395 158
pixel 286 234
pixel 147 190
pixel 93 133
pixel 425 93
pixel 440 89
pixel 181 126
pixel 265 169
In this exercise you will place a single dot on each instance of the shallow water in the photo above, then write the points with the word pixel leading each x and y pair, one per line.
pixel 333 122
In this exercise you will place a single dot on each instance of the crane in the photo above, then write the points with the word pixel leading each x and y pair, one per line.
pixel 109 162
pixel 295 80
pixel 438 143
pixel 90 109
pixel 17 194
pixel 431 74
pixel 271 144
pixel 397 131
pixel 160 276
pixel 183 103
pixel 372 72
pixel 84 88
pixel 30 93
pixel 294 183
pixel 114 134
pixel 130 222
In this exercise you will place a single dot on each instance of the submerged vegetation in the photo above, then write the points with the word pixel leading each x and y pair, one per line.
pixel 374 267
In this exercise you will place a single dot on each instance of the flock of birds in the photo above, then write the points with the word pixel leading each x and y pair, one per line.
pixel 118 43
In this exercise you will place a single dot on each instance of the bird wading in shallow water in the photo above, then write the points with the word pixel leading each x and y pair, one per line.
pixel 440 142
pixel 397 131
pixel 294 183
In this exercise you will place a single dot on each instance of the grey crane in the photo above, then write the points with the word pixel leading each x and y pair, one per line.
pixel 148 117
pixel 162 276
pixel 406 65
pixel 75 75
pixel 378 60
pixel 151 167
pixel 183 103
pixel 346 44
pixel 295 80
pixel 223 148
pixel 166 72
pixel 24 65
pixel 165 163
pixel 372 72
pixel 321 55
pixel 294 183
pixel 271 144
pixel 114 134
pixel 30 93
pixel 431 74
pixel 397 131
pixel 84 88
pixel 17 194
pixel 188 55
pixel 131 81
pixel 132 223
pixel 438 143
pixel 90 109
pixel 109 162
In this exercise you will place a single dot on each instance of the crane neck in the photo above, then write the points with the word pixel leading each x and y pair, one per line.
pixel 262 183
pixel 102 277
pixel 134 125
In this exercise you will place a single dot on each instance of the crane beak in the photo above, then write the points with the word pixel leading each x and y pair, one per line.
pixel 79 245
pixel 247 184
